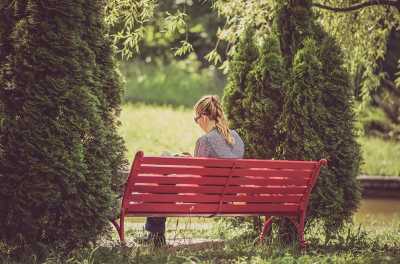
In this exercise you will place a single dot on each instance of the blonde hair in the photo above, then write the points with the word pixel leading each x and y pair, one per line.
pixel 210 106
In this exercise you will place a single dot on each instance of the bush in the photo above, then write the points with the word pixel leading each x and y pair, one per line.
pixel 59 99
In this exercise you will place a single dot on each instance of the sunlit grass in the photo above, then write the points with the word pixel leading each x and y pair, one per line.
pixel 155 129
pixel 380 157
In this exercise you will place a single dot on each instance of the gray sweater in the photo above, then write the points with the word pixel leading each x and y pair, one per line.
pixel 214 145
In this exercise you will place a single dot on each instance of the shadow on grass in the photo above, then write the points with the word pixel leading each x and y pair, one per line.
pixel 240 251
pixel 231 251
pixel 351 245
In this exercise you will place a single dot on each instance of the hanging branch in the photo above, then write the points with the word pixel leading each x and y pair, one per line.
pixel 391 86
pixel 390 113
pixel 395 3
pixel 185 47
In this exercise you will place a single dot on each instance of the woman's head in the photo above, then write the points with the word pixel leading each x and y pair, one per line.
pixel 208 112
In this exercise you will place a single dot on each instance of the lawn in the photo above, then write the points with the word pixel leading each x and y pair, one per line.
pixel 380 157
pixel 155 129
pixel 375 242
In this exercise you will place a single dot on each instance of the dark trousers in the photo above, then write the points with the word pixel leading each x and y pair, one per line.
pixel 155 224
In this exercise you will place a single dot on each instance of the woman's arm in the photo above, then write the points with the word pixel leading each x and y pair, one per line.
pixel 202 148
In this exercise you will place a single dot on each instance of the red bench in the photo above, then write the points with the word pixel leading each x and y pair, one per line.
pixel 187 186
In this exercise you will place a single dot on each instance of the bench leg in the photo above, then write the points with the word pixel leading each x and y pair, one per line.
pixel 116 225
pixel 301 233
pixel 266 226
pixel 299 224
pixel 121 231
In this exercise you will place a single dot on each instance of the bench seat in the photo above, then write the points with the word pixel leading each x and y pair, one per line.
pixel 194 186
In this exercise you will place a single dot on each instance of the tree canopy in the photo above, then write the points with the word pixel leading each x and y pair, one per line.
pixel 361 28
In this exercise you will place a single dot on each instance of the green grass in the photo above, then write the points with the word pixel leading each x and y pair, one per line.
pixel 155 129
pixel 380 157
pixel 354 244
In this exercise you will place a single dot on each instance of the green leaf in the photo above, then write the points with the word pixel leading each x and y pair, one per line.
pixel 185 48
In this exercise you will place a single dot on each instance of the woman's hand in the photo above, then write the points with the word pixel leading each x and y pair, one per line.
pixel 183 154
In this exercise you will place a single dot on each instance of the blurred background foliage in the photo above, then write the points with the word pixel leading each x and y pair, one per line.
pixel 171 60
pixel 178 82
pixel 171 52
pixel 173 46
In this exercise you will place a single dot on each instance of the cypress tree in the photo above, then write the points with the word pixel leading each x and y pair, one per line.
pixel 317 119
pixel 337 193
pixel 339 138
pixel 60 96
pixel 294 23
pixel 253 97
pixel 303 108
pixel 245 53
pixel 263 100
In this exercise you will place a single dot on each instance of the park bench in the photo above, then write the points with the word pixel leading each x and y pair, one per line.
pixel 194 186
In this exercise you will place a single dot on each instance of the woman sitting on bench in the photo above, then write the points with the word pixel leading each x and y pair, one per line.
pixel 218 142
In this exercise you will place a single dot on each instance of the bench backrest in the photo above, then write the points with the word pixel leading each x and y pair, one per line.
pixel 209 186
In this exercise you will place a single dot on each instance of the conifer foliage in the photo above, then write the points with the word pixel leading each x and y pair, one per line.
pixel 60 95
pixel 253 97
pixel 312 117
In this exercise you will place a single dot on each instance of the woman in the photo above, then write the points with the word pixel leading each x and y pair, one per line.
pixel 218 142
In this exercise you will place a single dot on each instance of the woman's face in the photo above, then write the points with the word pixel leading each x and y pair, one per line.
pixel 202 121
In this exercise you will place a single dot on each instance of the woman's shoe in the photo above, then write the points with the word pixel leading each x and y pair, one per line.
pixel 158 239
pixel 153 239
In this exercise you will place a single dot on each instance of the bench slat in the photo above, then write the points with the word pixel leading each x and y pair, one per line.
pixel 152 169
pixel 277 164
pixel 211 208
pixel 242 163
pixel 188 161
pixel 190 179
pixel 139 214
pixel 203 198
pixel 146 188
